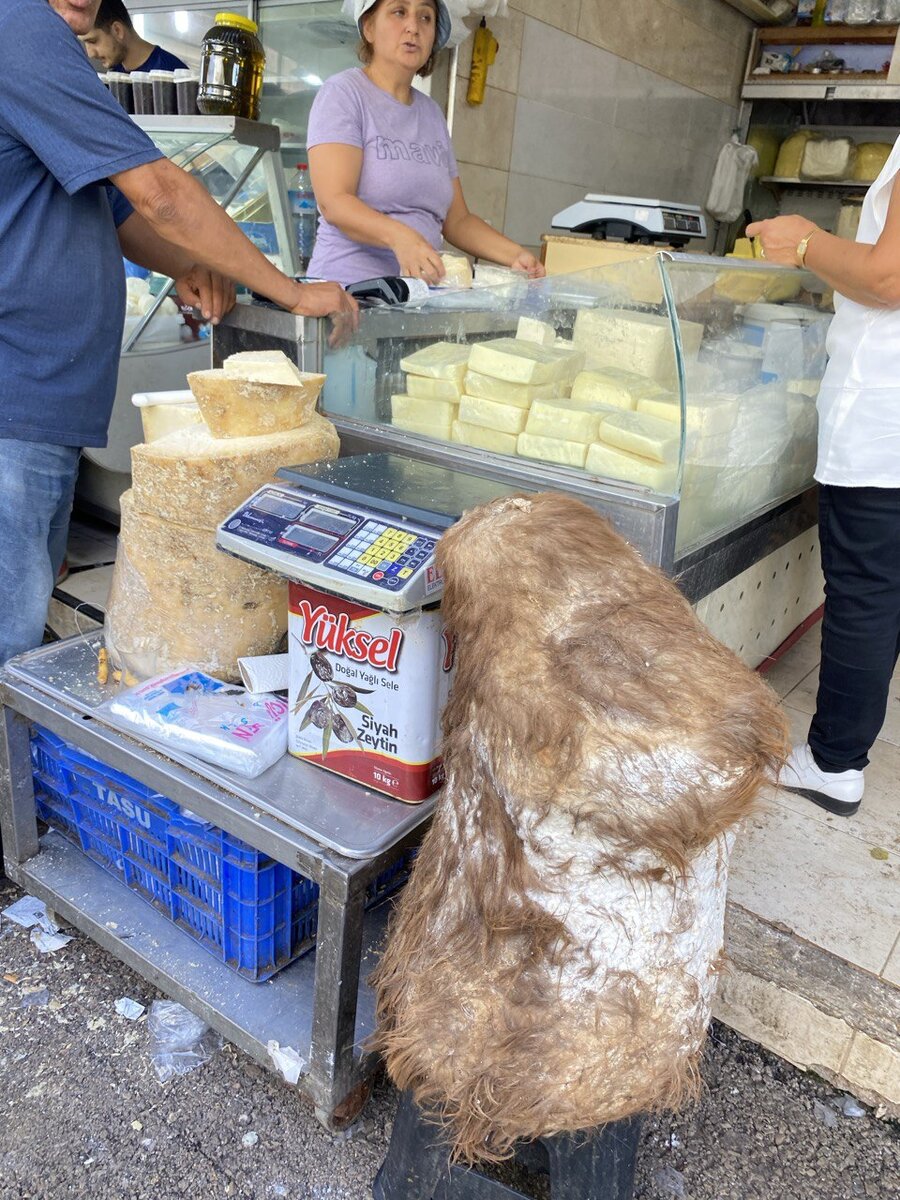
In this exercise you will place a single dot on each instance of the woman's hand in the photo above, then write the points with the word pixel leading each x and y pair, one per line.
pixel 526 262
pixel 780 237
pixel 418 259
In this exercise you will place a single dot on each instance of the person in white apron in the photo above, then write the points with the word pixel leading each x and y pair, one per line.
pixel 858 468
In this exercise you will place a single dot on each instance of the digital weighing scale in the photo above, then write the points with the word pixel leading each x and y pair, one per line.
pixel 631 219
pixel 363 527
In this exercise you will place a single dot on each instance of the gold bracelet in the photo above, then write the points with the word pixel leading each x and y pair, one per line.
pixel 802 247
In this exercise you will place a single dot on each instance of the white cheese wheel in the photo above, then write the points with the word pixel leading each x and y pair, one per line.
pixel 177 599
pixel 196 479
pixel 619 464
pixel 508 418
pixel 440 360
pixel 484 439
pixel 520 362
pixel 236 407
pixel 519 394
pixel 550 449
pixel 646 436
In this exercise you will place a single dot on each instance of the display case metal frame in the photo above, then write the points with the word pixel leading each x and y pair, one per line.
pixel 320 1005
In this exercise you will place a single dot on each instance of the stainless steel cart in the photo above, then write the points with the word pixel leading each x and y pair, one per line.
pixel 331 830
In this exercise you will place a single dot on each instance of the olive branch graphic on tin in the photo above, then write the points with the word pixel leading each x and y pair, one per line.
pixel 325 699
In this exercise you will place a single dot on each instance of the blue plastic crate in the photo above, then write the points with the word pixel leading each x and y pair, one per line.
pixel 256 915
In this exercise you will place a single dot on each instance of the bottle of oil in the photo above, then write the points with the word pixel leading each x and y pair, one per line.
pixel 231 68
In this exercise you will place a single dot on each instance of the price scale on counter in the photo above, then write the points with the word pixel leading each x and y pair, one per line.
pixel 364 527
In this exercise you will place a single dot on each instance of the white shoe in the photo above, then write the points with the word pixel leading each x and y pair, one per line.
pixel 838 791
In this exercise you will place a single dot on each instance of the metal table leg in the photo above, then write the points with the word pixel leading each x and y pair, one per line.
pixel 18 820
pixel 333 1067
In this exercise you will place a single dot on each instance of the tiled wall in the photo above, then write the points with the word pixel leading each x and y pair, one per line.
pixel 627 96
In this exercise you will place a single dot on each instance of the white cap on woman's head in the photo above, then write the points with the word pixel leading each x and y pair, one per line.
pixel 359 8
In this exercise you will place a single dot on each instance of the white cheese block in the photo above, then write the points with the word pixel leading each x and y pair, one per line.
pixel 435 429
pixel 196 479
pixel 519 362
pixel 704 415
pixel 563 419
pixel 827 158
pixel 646 436
pixel 263 366
pixel 458 273
pixel 634 341
pixel 484 439
pixel 440 360
pixel 576 359
pixel 176 598
pixel 434 389
pixel 620 389
pixel 519 394
pixel 475 410
pixel 550 449
pixel 531 330
pixel 423 412
pixel 236 407
pixel 619 464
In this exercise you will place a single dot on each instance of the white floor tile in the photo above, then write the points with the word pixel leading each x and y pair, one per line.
pixel 91 586
pixel 821 882
pixel 796 663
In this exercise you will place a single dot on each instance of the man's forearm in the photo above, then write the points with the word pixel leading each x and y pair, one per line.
pixel 141 244
pixel 181 212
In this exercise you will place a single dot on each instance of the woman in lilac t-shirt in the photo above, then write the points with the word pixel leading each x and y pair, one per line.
pixel 382 165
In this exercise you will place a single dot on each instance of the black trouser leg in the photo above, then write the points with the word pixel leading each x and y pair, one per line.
pixel 859 529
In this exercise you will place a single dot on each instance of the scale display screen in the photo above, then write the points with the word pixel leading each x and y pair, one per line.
pixel 329 520
pixel 297 535
pixel 277 506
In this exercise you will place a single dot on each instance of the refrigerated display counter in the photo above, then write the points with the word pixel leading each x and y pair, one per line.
pixel 675 394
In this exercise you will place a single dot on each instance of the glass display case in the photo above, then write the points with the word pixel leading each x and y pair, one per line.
pixel 674 393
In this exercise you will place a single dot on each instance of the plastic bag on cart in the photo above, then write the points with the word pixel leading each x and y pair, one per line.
pixel 179 1040
pixel 190 712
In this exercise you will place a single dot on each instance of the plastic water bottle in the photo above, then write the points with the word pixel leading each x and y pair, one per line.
pixel 303 207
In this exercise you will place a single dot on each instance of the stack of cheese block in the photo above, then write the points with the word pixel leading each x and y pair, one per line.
pixel 604 401
pixel 176 599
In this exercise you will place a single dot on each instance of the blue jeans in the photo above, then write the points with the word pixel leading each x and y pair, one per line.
pixel 37 484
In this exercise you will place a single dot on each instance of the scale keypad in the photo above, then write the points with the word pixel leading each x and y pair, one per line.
pixel 384 554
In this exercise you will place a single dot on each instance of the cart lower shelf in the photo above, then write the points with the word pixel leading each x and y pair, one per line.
pixel 248 1014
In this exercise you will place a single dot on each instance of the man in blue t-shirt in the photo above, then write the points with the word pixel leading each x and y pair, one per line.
pixel 81 185
pixel 117 46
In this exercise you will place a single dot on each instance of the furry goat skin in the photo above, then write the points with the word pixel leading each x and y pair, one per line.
pixel 551 964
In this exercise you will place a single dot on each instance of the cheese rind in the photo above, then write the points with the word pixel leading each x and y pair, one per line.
pixel 519 362
pixel 440 360
pixel 235 407
pixel 196 479
pixel 619 464
pixel 565 420
pixel 648 437
pixel 484 439
pixel 434 389
pixel 507 418
pixel 550 449
pixel 175 598
pixel 519 394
